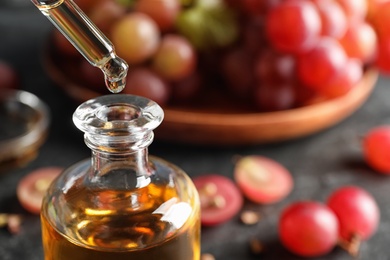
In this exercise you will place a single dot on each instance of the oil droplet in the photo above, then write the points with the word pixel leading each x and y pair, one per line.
pixel 115 72
pixel 116 86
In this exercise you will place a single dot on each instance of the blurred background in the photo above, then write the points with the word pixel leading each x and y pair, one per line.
pixel 321 160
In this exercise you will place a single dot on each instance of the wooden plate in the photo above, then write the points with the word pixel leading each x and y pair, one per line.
pixel 226 125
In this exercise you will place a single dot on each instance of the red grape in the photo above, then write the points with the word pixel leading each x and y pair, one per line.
pixel 376 147
pixel 9 77
pixel 345 80
pixel 258 7
pixel 92 76
pixel 262 179
pixel 356 10
pixel 253 38
pixel 317 67
pixel 163 12
pixel 105 13
pixel 237 69
pixel 333 18
pixel 32 187
pixel 136 37
pixel 372 8
pixel 271 66
pixel 382 61
pixel 146 83
pixel 187 88
pixel 360 41
pixel 175 59
pixel 86 5
pixel 308 228
pixel 63 45
pixel 357 212
pixel 293 26
pixel 220 198
pixel 306 96
pixel 270 96
pixel 381 20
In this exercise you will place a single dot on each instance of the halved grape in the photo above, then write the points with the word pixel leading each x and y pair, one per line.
pixel 32 187
pixel 220 198
pixel 262 179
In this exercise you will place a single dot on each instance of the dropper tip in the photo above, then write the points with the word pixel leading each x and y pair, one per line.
pixel 115 72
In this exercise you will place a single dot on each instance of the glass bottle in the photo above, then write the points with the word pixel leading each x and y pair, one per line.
pixel 121 203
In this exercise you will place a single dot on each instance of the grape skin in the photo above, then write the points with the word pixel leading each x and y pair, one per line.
pixel 346 79
pixel 298 38
pixel 317 67
pixel 360 42
pixel 175 58
pixel 308 228
pixel 333 18
pixel 9 77
pixel 136 37
pixel 144 82
pixel 357 212
pixel 376 146
pixel 163 12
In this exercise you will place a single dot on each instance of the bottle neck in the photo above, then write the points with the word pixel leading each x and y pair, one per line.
pixel 120 162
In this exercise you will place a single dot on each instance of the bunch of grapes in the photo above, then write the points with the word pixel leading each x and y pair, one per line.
pixel 160 40
pixel 271 54
pixel 297 52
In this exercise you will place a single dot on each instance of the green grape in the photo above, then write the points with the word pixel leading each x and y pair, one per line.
pixel 190 23
pixel 208 25
pixel 126 3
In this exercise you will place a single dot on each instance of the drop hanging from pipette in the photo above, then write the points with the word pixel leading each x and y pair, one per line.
pixel 87 38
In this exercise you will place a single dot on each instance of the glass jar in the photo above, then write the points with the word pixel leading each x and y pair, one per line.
pixel 121 203
pixel 23 129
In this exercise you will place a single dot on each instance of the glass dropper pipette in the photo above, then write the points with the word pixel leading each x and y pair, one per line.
pixel 72 22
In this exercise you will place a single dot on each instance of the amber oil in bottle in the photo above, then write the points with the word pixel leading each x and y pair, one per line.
pixel 121 203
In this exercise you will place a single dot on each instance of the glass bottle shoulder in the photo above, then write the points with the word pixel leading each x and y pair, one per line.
pixel 129 217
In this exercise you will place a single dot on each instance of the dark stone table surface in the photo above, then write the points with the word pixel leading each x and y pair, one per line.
pixel 319 163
